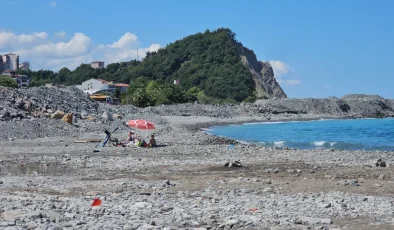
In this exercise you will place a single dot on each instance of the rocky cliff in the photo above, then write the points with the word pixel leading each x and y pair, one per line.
pixel 349 106
pixel 263 75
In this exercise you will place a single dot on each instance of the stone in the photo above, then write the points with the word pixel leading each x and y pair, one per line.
pixel 19 103
pixel 233 164
pixel 57 115
pixel 231 222
pixel 326 221
pixel 27 107
pixel 34 215
pixel 142 205
pixel 276 170
pixel 117 116
pixel 6 114
pixel 107 116
pixel 380 163
pixel 68 118
pixel 90 118
pixel 382 177
pixel 313 221
pixel 11 215
pixel 325 205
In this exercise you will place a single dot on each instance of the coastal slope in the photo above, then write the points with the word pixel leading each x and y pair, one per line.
pixel 211 62
pixel 263 75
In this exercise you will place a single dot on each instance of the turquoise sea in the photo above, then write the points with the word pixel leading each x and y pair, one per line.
pixel 356 134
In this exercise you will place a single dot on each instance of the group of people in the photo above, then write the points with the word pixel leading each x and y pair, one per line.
pixel 132 139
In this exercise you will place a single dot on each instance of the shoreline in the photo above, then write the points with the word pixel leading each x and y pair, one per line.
pixel 253 122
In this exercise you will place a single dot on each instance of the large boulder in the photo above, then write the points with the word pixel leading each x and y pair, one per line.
pixel 90 118
pixel 6 114
pixel 57 115
pixel 27 106
pixel 19 103
pixel 117 116
pixel 107 116
pixel 68 118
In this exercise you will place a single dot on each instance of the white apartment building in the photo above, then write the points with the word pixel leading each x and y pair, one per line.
pixel 1 64
pixel 10 61
pixel 96 85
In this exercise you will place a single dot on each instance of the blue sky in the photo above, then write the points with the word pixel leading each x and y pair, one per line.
pixel 319 48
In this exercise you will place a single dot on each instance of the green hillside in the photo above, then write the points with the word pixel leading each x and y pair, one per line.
pixel 208 61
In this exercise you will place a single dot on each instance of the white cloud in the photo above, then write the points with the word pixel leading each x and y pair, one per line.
pixel 52 4
pixel 9 40
pixel 288 82
pixel 280 68
pixel 61 34
pixel 126 41
pixel 46 52
pixel 282 72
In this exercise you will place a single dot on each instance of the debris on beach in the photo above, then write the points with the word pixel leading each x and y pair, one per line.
pixel 380 163
pixel 96 202
pixel 233 164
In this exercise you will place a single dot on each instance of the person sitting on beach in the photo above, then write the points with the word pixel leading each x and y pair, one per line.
pixel 152 142
pixel 131 137
pixel 140 143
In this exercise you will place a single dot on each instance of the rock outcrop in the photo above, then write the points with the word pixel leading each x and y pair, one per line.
pixel 350 106
pixel 263 75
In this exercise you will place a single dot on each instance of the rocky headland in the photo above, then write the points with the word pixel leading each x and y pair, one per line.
pixel 47 181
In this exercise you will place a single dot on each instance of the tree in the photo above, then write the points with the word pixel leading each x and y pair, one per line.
pixel 117 93
pixel 63 73
pixel 156 92
pixel 7 82
pixel 140 98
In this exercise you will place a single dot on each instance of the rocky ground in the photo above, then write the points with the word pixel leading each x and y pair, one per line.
pixel 47 181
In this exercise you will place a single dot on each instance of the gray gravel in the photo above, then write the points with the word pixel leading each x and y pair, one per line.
pixel 49 182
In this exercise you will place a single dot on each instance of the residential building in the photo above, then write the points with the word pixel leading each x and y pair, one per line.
pixel 100 86
pixel 22 81
pixel 24 66
pixel 97 64
pixel 10 61
pixel 122 87
pixel 177 82
pixel 1 64
pixel 8 72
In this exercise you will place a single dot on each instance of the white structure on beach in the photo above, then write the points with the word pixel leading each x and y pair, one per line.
pixel 96 85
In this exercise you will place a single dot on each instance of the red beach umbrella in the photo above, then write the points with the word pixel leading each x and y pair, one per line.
pixel 140 124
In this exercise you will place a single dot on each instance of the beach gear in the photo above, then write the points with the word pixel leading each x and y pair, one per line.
pixel 106 139
pixel 140 124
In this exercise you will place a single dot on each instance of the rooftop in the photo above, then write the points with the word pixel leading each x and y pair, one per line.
pixel 121 85
pixel 104 81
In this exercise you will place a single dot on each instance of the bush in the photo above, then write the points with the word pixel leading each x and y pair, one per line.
pixel 252 98
pixel 8 82
pixel 202 98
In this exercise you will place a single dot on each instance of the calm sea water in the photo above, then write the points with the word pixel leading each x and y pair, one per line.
pixel 359 134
